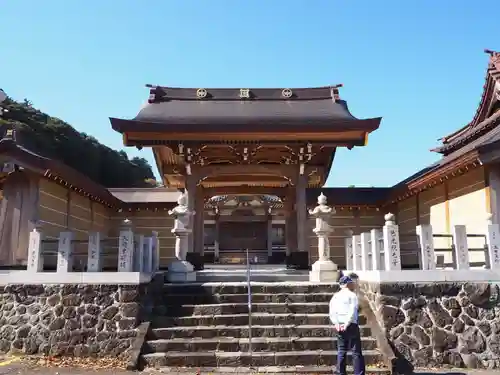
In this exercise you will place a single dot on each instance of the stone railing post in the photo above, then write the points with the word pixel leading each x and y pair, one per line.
pixel 147 255
pixel 365 251
pixel 392 251
pixel 94 252
pixel 493 243
pixel 323 269
pixel 460 247
pixel 426 244
pixel 348 251
pixel 126 247
pixel 65 252
pixel 180 270
pixel 356 252
pixel 155 252
pixel 138 252
pixel 375 235
pixel 35 258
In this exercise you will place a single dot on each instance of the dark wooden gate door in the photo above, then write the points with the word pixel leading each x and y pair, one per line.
pixel 241 235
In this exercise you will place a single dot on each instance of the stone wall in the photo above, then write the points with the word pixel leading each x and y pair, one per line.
pixel 437 324
pixel 79 320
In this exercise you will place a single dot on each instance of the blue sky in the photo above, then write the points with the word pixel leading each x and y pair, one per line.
pixel 418 64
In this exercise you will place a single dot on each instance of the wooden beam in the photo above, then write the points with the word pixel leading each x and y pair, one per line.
pixel 244 190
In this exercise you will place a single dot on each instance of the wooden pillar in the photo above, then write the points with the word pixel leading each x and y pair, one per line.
pixel 199 220
pixel 216 240
pixel 300 208
pixel 290 230
pixel 494 192
pixel 191 192
pixel 269 235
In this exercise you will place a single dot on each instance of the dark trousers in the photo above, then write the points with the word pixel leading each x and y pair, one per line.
pixel 350 340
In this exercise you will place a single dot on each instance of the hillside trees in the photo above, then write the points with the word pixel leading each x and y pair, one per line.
pixel 53 138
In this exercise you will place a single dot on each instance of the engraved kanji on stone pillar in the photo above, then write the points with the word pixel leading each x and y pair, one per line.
pixel 323 269
pixel 180 270
pixel 493 242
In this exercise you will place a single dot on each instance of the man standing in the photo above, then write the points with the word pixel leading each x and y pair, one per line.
pixel 344 313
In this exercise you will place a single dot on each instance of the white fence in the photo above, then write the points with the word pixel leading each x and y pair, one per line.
pixel 136 253
pixel 379 249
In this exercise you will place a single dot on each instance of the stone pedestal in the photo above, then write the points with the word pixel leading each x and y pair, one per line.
pixel 180 270
pixel 323 270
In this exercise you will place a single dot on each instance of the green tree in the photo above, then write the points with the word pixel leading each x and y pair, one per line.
pixel 53 138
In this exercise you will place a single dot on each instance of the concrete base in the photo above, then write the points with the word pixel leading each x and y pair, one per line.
pixel 324 271
pixel 181 271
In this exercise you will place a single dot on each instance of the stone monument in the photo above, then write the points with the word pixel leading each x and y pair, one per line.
pixel 180 270
pixel 323 270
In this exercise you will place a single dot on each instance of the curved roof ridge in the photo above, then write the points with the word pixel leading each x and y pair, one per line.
pixel 492 77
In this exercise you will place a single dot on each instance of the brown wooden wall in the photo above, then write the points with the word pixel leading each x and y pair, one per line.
pixel 358 221
pixel 462 200
pixel 61 209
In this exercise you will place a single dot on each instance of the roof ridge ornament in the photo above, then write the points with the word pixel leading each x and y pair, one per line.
pixel 287 93
pixel 244 93
pixel 201 93
pixel 334 91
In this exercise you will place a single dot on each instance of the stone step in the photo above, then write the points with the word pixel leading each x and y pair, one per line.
pixel 236 359
pixel 256 287
pixel 262 277
pixel 242 331
pixel 259 344
pixel 241 319
pixel 187 299
pixel 286 370
pixel 242 308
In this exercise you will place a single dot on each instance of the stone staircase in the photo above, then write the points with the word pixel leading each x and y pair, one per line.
pixel 205 327
pixel 258 272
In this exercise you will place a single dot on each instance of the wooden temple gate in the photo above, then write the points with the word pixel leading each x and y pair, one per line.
pixel 246 142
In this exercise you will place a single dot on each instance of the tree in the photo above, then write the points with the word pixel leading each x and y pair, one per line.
pixel 53 138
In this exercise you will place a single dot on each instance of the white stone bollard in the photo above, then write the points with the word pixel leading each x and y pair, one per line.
pixel 493 242
pixel 348 252
pixel 356 253
pixel 323 270
pixel 426 243
pixel 365 252
pixel 375 235
pixel 461 248
pixel 35 259
pixel 392 251
pixel 94 252
pixel 126 248
pixel 65 252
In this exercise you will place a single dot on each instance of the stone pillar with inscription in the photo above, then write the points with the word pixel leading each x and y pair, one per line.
pixel 323 270
pixel 426 244
pixel 65 252
pixel 493 243
pixel 94 252
pixel 35 258
pixel 126 247
pixel 460 247
pixel 180 270
pixel 392 251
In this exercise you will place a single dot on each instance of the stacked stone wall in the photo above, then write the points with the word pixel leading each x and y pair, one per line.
pixel 73 320
pixel 436 324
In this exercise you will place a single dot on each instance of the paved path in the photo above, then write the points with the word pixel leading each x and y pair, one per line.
pixel 16 366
